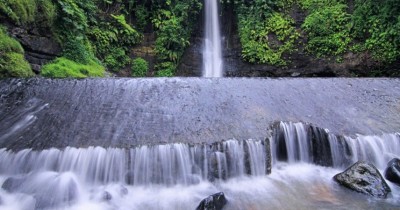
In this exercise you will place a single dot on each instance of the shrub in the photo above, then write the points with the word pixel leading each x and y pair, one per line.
pixel 139 67
pixel 256 38
pixel 116 59
pixel 14 65
pixel 165 69
pixel 328 28
pixel 377 24
pixel 19 11
pixel 63 67
pixel 78 49
pixel 174 22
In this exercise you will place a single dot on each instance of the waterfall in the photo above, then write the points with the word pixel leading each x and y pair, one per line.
pixel 299 142
pixel 168 164
pixel 212 53
pixel 180 174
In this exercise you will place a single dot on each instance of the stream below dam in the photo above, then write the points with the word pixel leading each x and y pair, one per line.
pixel 169 143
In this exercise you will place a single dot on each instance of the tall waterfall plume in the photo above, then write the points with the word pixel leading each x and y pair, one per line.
pixel 212 53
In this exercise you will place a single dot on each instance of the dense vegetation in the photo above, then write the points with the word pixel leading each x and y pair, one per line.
pixel 330 29
pixel 98 35
pixel 12 62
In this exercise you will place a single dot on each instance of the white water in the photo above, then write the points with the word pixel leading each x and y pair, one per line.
pixel 377 149
pixel 179 176
pixel 212 53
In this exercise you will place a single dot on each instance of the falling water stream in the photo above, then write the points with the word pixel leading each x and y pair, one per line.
pixel 162 144
pixel 178 176
pixel 212 53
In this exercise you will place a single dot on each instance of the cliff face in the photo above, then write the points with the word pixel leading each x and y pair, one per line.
pixel 38 42
pixel 300 63
pixel 41 46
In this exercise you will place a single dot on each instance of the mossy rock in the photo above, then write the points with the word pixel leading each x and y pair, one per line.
pixel 65 68
pixel 14 65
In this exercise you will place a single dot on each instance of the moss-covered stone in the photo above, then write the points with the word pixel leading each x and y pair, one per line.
pixel 63 68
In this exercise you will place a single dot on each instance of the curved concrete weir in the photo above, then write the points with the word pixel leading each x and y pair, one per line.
pixel 42 113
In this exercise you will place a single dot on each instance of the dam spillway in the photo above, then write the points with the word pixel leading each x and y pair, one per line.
pixel 43 113
pixel 168 143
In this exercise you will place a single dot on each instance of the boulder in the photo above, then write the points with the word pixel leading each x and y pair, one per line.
pixel 106 196
pixel 364 178
pixel 12 184
pixel 392 172
pixel 49 189
pixel 213 202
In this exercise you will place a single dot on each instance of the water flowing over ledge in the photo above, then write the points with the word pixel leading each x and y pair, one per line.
pixel 124 113
pixel 161 143
pixel 97 175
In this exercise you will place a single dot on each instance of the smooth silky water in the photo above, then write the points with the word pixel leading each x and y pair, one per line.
pixel 212 50
pixel 179 176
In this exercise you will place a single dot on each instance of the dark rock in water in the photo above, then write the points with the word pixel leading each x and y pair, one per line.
pixel 124 191
pixel 321 150
pixel 392 172
pixel 213 202
pixel 106 196
pixel 12 184
pixel 364 178
pixel 129 177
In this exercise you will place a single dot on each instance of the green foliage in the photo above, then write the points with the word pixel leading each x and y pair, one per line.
pixel 78 49
pixel 174 22
pixel 14 65
pixel 139 67
pixel 20 11
pixel 265 35
pixel 165 69
pixel 12 61
pixel 127 35
pixel 116 59
pixel 46 12
pixel 72 20
pixel 29 11
pixel 8 44
pixel 142 16
pixel 327 27
pixel 377 23
pixel 63 68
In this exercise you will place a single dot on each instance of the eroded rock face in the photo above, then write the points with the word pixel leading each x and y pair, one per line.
pixel 364 178
pixel 392 172
pixel 213 202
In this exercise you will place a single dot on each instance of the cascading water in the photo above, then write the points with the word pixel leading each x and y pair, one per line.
pixel 298 142
pixel 212 53
pixel 139 167
pixel 100 178
pixel 73 174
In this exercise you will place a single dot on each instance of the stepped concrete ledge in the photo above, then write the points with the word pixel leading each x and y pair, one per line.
pixel 43 113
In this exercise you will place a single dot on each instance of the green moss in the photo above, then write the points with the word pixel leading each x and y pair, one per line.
pixel 12 61
pixel 63 67
pixel 139 67
pixel 8 44
pixel 14 65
